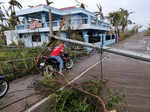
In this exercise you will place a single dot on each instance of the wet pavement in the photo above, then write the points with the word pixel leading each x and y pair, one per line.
pixel 123 73
pixel 127 74
pixel 20 95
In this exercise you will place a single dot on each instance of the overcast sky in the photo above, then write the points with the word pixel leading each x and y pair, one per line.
pixel 140 8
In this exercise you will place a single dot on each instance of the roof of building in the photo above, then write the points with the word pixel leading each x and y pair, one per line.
pixel 68 8
pixel 62 11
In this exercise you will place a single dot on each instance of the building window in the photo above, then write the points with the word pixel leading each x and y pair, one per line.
pixel 36 38
pixel 20 36
pixel 84 21
pixel 94 39
pixel 107 37
pixel 113 36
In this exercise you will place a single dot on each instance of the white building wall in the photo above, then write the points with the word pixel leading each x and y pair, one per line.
pixel 11 36
pixel 44 38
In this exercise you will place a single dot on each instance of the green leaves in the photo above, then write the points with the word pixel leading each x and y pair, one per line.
pixel 48 2
pixel 72 100
pixel 120 18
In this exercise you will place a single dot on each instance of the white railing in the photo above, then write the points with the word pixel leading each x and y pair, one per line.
pixel 57 23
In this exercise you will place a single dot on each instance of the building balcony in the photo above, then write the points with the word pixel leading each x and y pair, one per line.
pixel 75 24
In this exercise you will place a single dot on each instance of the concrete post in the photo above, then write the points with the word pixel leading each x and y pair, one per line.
pixel 86 39
pixel 58 23
pixel 116 38
pixel 26 20
pixel 101 39
pixel 85 36
pixel 43 16
pixel 110 36
pixel 104 39
pixel 89 19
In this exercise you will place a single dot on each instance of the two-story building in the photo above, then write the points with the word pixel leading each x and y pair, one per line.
pixel 35 29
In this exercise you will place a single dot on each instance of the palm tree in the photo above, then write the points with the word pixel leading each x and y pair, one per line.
pixel 100 12
pixel 13 4
pixel 120 18
pixel 115 18
pixel 81 4
pixel 124 18
pixel 3 25
pixel 13 19
pixel 50 18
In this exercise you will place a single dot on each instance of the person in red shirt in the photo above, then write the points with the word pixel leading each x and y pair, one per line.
pixel 56 55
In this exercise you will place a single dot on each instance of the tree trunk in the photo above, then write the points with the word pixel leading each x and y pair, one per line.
pixel 4 38
pixel 50 23
pixel 14 9
pixel 123 28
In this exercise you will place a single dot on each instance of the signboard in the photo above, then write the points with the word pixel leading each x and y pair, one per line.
pixel 35 25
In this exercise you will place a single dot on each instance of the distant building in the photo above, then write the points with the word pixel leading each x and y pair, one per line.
pixel 35 30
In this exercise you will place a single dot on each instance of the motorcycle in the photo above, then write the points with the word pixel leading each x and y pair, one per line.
pixel 50 66
pixel 4 86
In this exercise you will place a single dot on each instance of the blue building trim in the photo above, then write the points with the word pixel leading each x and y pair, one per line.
pixel 81 20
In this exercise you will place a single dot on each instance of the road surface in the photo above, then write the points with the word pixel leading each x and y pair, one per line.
pixel 123 73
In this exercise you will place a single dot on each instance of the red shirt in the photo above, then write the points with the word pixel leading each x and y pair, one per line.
pixel 56 51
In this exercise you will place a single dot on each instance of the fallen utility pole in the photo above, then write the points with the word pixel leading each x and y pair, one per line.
pixel 126 53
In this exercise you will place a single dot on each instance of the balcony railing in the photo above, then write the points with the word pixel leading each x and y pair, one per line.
pixel 73 22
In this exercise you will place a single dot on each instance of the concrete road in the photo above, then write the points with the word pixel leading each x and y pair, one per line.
pixel 128 74
pixel 123 73
pixel 19 89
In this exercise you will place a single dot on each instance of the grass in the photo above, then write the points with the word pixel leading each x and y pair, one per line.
pixel 16 69
pixel 9 54
pixel 147 33
pixel 124 35
pixel 81 97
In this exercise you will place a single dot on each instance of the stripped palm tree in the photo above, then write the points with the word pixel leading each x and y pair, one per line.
pixel 99 14
pixel 81 4
pixel 13 4
pixel 13 18
pixel 124 18
pixel 115 18
pixel 3 27
pixel 50 18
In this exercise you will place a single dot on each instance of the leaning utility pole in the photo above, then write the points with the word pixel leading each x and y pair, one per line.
pixel 126 53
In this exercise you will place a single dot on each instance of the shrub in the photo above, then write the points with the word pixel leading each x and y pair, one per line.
pixel 21 43
pixel 76 99
pixel 18 68
pixel 13 44
pixel 147 33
